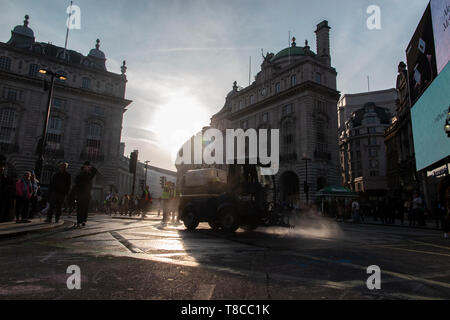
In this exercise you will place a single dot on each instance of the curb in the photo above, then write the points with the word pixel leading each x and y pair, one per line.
pixel 18 233
pixel 394 225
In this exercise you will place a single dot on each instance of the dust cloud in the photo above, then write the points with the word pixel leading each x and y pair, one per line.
pixel 310 224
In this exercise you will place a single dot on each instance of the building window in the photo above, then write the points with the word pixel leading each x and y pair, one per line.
pixel 277 87
pixel 293 80
pixel 288 138
pixel 57 103
pixel 265 117
pixel 374 173
pixel 99 111
pixel 5 63
pixel 371 120
pixel 372 130
pixel 94 138
pixel 109 88
pixel 372 141
pixel 54 135
pixel 86 84
pixel 33 70
pixel 252 99
pixel 373 152
pixel 287 109
pixel 11 94
pixel 241 104
pixel 244 124
pixel 7 125
pixel 318 78
pixel 374 163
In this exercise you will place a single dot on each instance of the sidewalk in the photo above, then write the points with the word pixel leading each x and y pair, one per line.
pixel 430 224
pixel 13 229
pixel 150 216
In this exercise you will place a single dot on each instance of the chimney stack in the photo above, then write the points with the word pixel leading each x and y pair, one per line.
pixel 323 42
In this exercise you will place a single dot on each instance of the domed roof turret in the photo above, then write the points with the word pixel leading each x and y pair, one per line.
pixel 97 56
pixel 22 36
pixel 97 53
pixel 294 51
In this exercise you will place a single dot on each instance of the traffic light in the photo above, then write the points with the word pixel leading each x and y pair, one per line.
pixel 133 161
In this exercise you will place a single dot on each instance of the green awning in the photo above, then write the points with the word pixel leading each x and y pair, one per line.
pixel 337 192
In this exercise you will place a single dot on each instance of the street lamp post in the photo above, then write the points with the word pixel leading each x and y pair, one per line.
pixel 146 167
pixel 305 185
pixel 43 140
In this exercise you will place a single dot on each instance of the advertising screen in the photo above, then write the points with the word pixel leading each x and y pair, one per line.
pixel 428 119
pixel 421 57
pixel 440 12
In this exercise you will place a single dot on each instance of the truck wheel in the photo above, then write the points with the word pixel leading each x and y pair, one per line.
pixel 214 225
pixel 228 219
pixel 189 219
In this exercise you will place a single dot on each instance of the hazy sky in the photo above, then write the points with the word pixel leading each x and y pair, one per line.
pixel 183 55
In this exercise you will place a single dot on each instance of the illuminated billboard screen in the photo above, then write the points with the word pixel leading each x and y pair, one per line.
pixel 428 119
pixel 421 57
pixel 440 13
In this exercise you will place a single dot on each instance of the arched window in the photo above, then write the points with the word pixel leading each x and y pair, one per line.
pixel 5 63
pixel 54 133
pixel 7 125
pixel 94 140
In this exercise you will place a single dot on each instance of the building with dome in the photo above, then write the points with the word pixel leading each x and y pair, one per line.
pixel 362 151
pixel 85 123
pixel 295 92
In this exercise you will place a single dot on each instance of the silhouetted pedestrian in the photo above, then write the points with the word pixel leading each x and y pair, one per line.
pixel 59 188
pixel 83 186
pixel 24 190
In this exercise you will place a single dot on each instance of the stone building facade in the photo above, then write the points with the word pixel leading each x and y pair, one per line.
pixel 362 151
pixel 295 92
pixel 87 109
pixel 403 178
pixel 362 119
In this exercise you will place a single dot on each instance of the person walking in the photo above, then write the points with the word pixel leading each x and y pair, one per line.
pixel 24 190
pixel 165 204
pixel 417 207
pixel 355 211
pixel 6 193
pixel 58 190
pixel 83 187
pixel 36 190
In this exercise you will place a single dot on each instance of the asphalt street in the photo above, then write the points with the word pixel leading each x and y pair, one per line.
pixel 138 259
